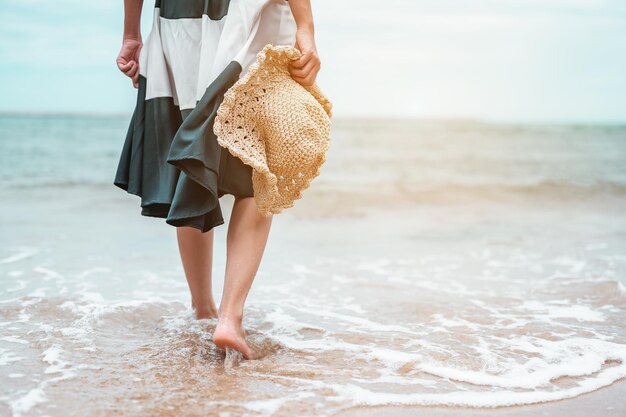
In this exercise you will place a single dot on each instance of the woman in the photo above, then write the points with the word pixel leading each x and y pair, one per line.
pixel 196 50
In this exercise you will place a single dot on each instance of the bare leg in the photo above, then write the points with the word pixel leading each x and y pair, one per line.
pixel 196 253
pixel 248 231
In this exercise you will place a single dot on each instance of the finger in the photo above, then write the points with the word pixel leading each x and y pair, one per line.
pixel 304 71
pixel 310 79
pixel 124 65
pixel 136 78
pixel 305 81
pixel 306 75
pixel 132 70
pixel 121 59
pixel 302 61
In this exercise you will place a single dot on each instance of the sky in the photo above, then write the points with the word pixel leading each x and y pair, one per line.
pixel 493 60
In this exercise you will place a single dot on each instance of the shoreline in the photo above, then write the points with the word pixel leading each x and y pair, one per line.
pixel 607 401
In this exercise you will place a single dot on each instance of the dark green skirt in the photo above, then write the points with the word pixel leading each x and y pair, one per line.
pixel 196 50
pixel 171 159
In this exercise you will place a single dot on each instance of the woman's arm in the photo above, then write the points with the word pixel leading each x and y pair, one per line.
pixel 304 70
pixel 128 58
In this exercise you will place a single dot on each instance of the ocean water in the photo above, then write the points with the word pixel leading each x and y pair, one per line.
pixel 432 263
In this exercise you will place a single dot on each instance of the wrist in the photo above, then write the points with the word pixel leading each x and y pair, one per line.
pixel 132 29
pixel 131 37
pixel 306 27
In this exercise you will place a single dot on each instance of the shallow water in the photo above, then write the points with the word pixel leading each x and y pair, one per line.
pixel 457 264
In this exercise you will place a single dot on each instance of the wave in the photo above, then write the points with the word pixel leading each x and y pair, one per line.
pixel 499 187
pixel 454 191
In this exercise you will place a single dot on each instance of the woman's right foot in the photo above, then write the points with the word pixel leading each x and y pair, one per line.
pixel 230 334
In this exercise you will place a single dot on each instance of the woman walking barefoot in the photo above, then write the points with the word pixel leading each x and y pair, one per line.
pixel 196 50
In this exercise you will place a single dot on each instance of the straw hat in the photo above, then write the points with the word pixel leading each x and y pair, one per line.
pixel 278 127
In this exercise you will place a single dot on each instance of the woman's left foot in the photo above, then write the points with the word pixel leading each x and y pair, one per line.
pixel 230 334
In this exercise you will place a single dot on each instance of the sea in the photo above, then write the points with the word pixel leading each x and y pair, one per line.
pixel 433 263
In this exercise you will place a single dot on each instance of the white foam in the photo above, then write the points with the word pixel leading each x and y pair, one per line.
pixel 52 356
pixel 26 402
pixel 14 339
pixel 576 311
pixel 354 394
pixel 454 322
pixel 57 366
pixel 569 358
pixel 48 274
pixel 36 296
pixel 486 368
pixel 325 311
pixel 565 358
pixel 492 398
pixel 91 271
pixel 268 407
pixel 7 357
pixel 23 253
pixel 575 265
pixel 20 285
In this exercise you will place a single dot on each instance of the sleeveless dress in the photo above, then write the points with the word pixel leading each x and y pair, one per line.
pixel 196 50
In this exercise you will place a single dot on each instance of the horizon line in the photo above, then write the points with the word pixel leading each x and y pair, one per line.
pixel 363 117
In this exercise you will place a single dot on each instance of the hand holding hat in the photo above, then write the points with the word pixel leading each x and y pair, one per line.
pixel 304 69
pixel 277 126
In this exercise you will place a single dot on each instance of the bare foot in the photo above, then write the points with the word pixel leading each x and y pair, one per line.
pixel 230 334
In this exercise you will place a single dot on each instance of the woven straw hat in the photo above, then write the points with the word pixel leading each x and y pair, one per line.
pixel 278 127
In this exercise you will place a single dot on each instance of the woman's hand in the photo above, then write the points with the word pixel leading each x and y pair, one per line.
pixel 128 59
pixel 304 69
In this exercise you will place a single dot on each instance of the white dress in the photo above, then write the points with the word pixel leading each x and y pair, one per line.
pixel 195 51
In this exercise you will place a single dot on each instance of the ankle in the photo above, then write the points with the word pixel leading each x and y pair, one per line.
pixel 235 317
pixel 205 312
